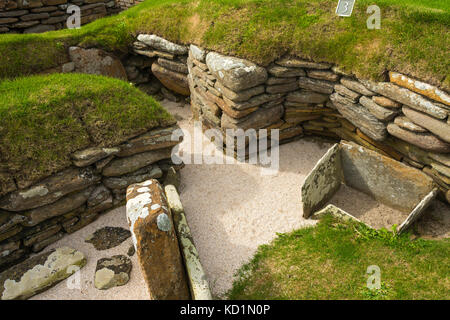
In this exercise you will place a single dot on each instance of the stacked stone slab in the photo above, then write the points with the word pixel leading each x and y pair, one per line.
pixel 37 215
pixel 37 16
pixel 169 61
pixel 404 118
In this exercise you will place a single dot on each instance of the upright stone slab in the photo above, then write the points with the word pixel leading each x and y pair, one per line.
pixel 323 182
pixel 156 242
pixel 389 181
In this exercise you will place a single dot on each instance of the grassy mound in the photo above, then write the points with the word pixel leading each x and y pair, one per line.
pixel 330 261
pixel 411 39
pixel 43 119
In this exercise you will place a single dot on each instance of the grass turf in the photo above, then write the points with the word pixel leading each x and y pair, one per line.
pixel 412 38
pixel 43 119
pixel 330 261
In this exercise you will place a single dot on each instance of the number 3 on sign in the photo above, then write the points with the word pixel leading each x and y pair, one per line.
pixel 345 8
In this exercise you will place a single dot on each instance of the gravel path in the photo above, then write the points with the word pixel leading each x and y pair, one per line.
pixel 231 209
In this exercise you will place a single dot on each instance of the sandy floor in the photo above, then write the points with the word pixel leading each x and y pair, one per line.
pixel 134 289
pixel 231 209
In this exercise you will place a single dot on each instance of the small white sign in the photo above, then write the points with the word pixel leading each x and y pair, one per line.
pixel 345 8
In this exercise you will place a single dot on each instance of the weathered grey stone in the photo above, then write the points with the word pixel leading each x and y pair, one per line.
pixel 274 80
pixel 112 272
pixel 258 119
pixel 24 24
pixel 173 65
pixel 96 61
pixel 34 16
pixel 356 86
pixel 299 63
pixel 411 99
pixel 252 102
pixel 174 81
pixel 88 156
pixel 39 273
pixel 156 242
pixel 40 29
pixel 439 128
pixel 349 94
pixel 282 88
pixel 50 189
pixel 386 102
pixel 379 112
pixel 407 124
pixel 321 86
pixel 146 173
pixel 40 236
pixel 323 182
pixel 159 43
pixel 420 87
pixel 198 53
pixel 8 220
pixel 323 75
pixel 307 97
pixel 153 140
pixel 122 166
pixel 10 232
pixel 196 276
pixel 424 141
pixel 286 72
pixel 240 96
pixel 14 13
pixel 100 194
pixel 361 118
pixel 8 20
pixel 68 67
pixel 108 237
pixel 383 178
pixel 60 207
pixel 236 74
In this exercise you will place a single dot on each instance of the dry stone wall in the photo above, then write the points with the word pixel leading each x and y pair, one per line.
pixel 35 16
pixel 32 218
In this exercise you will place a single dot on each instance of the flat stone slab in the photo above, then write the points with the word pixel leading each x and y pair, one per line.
pixel 39 273
pixel 108 237
pixel 112 272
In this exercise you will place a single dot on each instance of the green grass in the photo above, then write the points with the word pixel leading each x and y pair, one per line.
pixel 43 119
pixel 330 261
pixel 412 38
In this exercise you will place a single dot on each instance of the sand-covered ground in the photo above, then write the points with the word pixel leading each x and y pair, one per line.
pixel 231 209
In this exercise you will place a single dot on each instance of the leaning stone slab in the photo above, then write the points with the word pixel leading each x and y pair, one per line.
pixel 159 43
pixel 424 141
pixel 39 273
pixel 439 128
pixel 407 124
pixel 50 189
pixel 88 156
pixel 112 272
pixel 196 276
pixel 356 86
pixel 379 112
pixel 323 181
pixel 425 89
pixel 361 118
pixel 156 243
pixel 153 140
pixel 236 74
pixel 122 166
pixel 405 96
